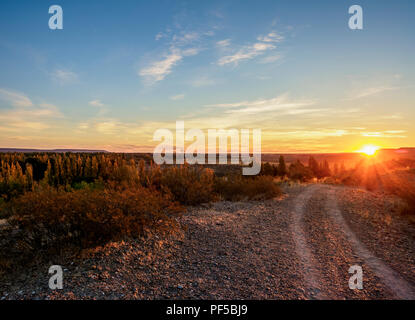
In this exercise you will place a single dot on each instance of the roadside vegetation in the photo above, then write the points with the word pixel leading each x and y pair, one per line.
pixel 55 203
pixel 52 203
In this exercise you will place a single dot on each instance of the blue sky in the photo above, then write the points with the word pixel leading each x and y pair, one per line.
pixel 121 69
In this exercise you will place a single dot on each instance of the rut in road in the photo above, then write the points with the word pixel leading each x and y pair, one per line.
pixel 311 274
pixel 401 288
pixel 310 262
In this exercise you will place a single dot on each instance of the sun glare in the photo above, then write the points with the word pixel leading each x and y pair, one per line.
pixel 369 150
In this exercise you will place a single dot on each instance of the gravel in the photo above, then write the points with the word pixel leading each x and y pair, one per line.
pixel 244 250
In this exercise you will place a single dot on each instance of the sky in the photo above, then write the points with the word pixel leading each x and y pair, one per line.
pixel 120 70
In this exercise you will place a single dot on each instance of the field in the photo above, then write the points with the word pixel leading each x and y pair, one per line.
pixel 126 228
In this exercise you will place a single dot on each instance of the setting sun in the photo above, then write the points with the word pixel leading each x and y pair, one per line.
pixel 369 150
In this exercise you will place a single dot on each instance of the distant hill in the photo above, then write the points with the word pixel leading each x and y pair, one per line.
pixel 401 152
pixel 52 150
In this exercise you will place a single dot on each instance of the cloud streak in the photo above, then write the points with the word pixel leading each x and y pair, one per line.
pixel 177 97
pixel 25 115
pixel 223 43
pixel 278 103
pixel 264 44
pixel 63 76
pixel 96 103
pixel 246 53
pixel 16 99
pixel 158 70
pixel 373 91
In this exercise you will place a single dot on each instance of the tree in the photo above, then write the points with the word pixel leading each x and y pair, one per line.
pixel 267 169
pixel 314 167
pixel 325 169
pixel 282 168
pixel 342 168
pixel 336 169
pixel 298 171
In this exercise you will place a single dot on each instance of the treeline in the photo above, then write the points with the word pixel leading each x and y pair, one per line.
pixel 20 172
pixel 298 171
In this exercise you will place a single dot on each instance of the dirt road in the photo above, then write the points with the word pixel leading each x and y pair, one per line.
pixel 297 247
pixel 327 247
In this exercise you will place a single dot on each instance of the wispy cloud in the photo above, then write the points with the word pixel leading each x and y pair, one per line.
pixel 181 43
pixel 281 102
pixel 43 111
pixel 190 52
pixel 102 108
pixel 309 134
pixel 159 36
pixel 396 116
pixel 271 59
pixel 185 37
pixel 25 115
pixel 246 53
pixel 384 134
pixel 96 103
pixel 395 131
pixel 271 37
pixel 158 70
pixel 16 99
pixel 373 91
pixel 63 76
pixel 177 97
pixel 108 126
pixel 223 43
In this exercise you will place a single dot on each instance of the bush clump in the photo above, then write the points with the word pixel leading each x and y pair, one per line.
pixel 236 188
pixel 50 219
pixel 189 186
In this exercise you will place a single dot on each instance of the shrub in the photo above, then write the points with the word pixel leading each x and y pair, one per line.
pixel 2 209
pixel 406 192
pixel 236 188
pixel 53 220
pixel 298 171
pixel 190 186
pixel 97 185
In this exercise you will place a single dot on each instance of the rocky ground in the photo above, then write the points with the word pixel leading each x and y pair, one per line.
pixel 299 246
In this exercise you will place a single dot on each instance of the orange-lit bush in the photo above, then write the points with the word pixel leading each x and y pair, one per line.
pixel 188 185
pixel 235 188
pixel 52 219
pixel 404 188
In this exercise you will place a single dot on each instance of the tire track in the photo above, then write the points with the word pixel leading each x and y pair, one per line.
pixel 311 275
pixel 400 287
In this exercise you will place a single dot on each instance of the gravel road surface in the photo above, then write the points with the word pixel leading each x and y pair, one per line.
pixel 299 246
